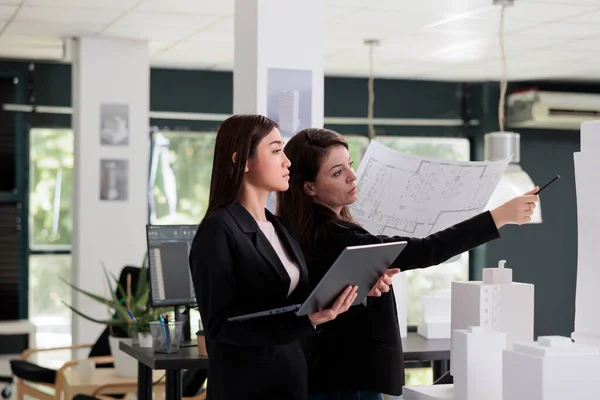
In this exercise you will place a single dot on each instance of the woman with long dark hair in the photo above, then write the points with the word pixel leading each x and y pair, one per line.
pixel 359 355
pixel 244 260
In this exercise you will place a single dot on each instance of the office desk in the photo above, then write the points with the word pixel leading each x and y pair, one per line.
pixel 416 348
pixel 436 351
pixel 148 360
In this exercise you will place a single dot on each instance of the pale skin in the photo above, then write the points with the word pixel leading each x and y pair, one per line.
pixel 268 171
pixel 335 187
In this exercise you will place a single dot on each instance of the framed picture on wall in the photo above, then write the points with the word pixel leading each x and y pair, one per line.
pixel 114 124
pixel 289 93
pixel 114 180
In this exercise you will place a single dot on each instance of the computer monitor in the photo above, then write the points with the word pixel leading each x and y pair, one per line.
pixel 168 258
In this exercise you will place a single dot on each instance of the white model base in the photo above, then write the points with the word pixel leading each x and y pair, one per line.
pixel 588 340
pixel 432 392
pixel 553 368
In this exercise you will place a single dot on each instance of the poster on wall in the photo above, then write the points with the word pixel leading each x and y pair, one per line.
pixel 114 124
pixel 289 99
pixel 289 103
pixel 114 180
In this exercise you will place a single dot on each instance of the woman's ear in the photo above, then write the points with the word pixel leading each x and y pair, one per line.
pixel 234 159
pixel 309 188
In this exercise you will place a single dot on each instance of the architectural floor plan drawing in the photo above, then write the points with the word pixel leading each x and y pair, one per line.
pixel 407 195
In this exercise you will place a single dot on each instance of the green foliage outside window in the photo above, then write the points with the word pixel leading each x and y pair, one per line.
pixel 51 187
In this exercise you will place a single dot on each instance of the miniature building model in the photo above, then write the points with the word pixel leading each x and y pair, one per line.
pixel 478 363
pixel 289 111
pixel 587 164
pixel 553 368
pixel 435 316
pixel 496 303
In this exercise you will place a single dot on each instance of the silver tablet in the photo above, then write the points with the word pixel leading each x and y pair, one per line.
pixel 356 265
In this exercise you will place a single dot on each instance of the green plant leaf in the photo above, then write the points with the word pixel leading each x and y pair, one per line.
pixel 141 302
pixel 122 291
pixel 110 286
pixel 112 322
pixel 143 283
pixel 111 303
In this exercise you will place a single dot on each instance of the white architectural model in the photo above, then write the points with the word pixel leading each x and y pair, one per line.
pixel 587 165
pixel 435 315
pixel 478 363
pixel 477 369
pixel 289 111
pixel 496 303
pixel 553 368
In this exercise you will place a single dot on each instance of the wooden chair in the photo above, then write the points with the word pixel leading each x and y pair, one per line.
pixel 44 383
pixel 41 382
pixel 192 382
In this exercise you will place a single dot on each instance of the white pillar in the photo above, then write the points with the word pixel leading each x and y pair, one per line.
pixel 278 68
pixel 111 80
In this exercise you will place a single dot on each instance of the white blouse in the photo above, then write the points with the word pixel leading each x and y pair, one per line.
pixel 290 266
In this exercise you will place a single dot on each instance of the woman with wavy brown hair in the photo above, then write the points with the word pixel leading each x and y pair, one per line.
pixel 359 355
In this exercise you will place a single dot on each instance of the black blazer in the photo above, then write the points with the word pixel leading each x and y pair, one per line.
pixel 236 271
pixel 362 348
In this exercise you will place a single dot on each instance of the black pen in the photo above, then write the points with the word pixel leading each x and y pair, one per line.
pixel 548 184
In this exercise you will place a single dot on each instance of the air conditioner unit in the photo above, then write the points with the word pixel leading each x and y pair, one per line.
pixel 551 110
pixel 35 48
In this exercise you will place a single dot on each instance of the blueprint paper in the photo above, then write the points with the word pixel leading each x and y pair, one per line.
pixel 587 317
pixel 415 196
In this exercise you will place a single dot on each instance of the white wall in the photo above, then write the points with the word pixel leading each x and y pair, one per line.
pixel 112 232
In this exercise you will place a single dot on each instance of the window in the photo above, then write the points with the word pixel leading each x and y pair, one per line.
pixel 180 172
pixel 51 188
pixel 50 226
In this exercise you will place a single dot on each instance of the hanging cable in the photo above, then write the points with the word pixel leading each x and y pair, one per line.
pixel 371 85
pixel 504 76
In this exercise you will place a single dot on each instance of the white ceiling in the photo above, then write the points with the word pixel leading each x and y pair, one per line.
pixel 428 39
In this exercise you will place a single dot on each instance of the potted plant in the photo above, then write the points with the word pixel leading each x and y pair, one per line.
pixel 124 307
pixel 142 326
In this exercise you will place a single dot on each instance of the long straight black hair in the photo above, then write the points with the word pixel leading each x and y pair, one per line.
pixel 238 134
